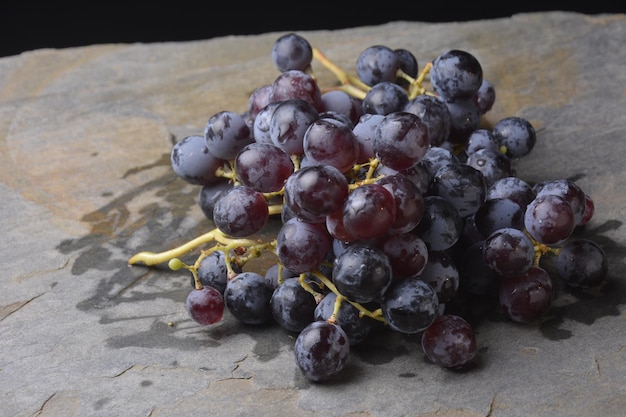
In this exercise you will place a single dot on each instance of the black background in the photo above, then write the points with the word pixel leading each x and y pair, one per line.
pixel 25 26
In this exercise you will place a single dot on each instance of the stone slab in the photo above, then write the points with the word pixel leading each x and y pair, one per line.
pixel 85 182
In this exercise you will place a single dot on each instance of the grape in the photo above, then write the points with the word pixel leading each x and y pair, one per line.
pixel 449 341
pixel 509 251
pixel 481 139
pixel 362 273
pixel 462 185
pixel 258 100
pixel 409 202
pixel 493 164
pixel 549 219
pixel 526 297
pixel 240 212
pixel 485 96
pixel 410 305
pixel 513 188
pixel 288 123
pixel 348 317
pixel 261 124
pixel 516 134
pixel 456 75
pixel 385 98
pixel 498 213
pixel 302 246
pixel 205 305
pixel 364 131
pixel 567 189
pixel 464 119
pixel 319 189
pixel 434 158
pixel 581 263
pixel 225 133
pixel 407 254
pixel 329 142
pixel 343 103
pixel 433 111
pixel 247 297
pixel 376 64
pixel 292 307
pixel 408 64
pixel 321 350
pixel 209 194
pixel 191 160
pixel 400 140
pixel 369 211
pixel 214 272
pixel 441 273
pixel 292 52
pixel 297 84
pixel 441 225
pixel 264 167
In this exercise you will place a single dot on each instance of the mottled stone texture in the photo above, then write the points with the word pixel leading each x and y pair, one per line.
pixel 85 182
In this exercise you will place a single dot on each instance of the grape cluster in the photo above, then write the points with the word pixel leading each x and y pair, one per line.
pixel 395 202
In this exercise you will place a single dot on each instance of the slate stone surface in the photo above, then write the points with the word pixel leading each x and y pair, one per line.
pixel 86 183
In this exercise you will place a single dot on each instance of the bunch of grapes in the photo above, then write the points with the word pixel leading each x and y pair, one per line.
pixel 395 204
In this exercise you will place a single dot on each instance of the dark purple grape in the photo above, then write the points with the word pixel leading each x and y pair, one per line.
pixel 376 64
pixel 435 157
pixel 493 164
pixel 498 213
pixel 343 103
pixel 321 351
pixel 407 254
pixel 364 131
pixel 369 211
pixel 461 184
pixel 450 341
pixel 549 219
pixel 362 273
pixel 441 225
pixel 289 121
pixel 526 297
pixel 590 209
pixel 384 98
pixel 433 111
pixel 191 160
pixel 292 52
pixel 247 297
pixel 225 133
pixel 408 65
pixel 292 306
pixel 258 100
pixel 409 202
pixel 513 188
pixel 481 139
pixel 401 140
pixel 348 317
pixel 277 273
pixel 319 189
pixel 263 167
pixel 205 306
pixel 296 84
pixel 485 96
pixel 410 305
pixel 516 134
pixel 456 75
pixel 261 125
pixel 329 142
pixel 581 263
pixel 302 246
pixel 464 119
pixel 441 273
pixel 209 195
pixel 567 189
pixel 213 271
pixel 509 251
pixel 241 212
